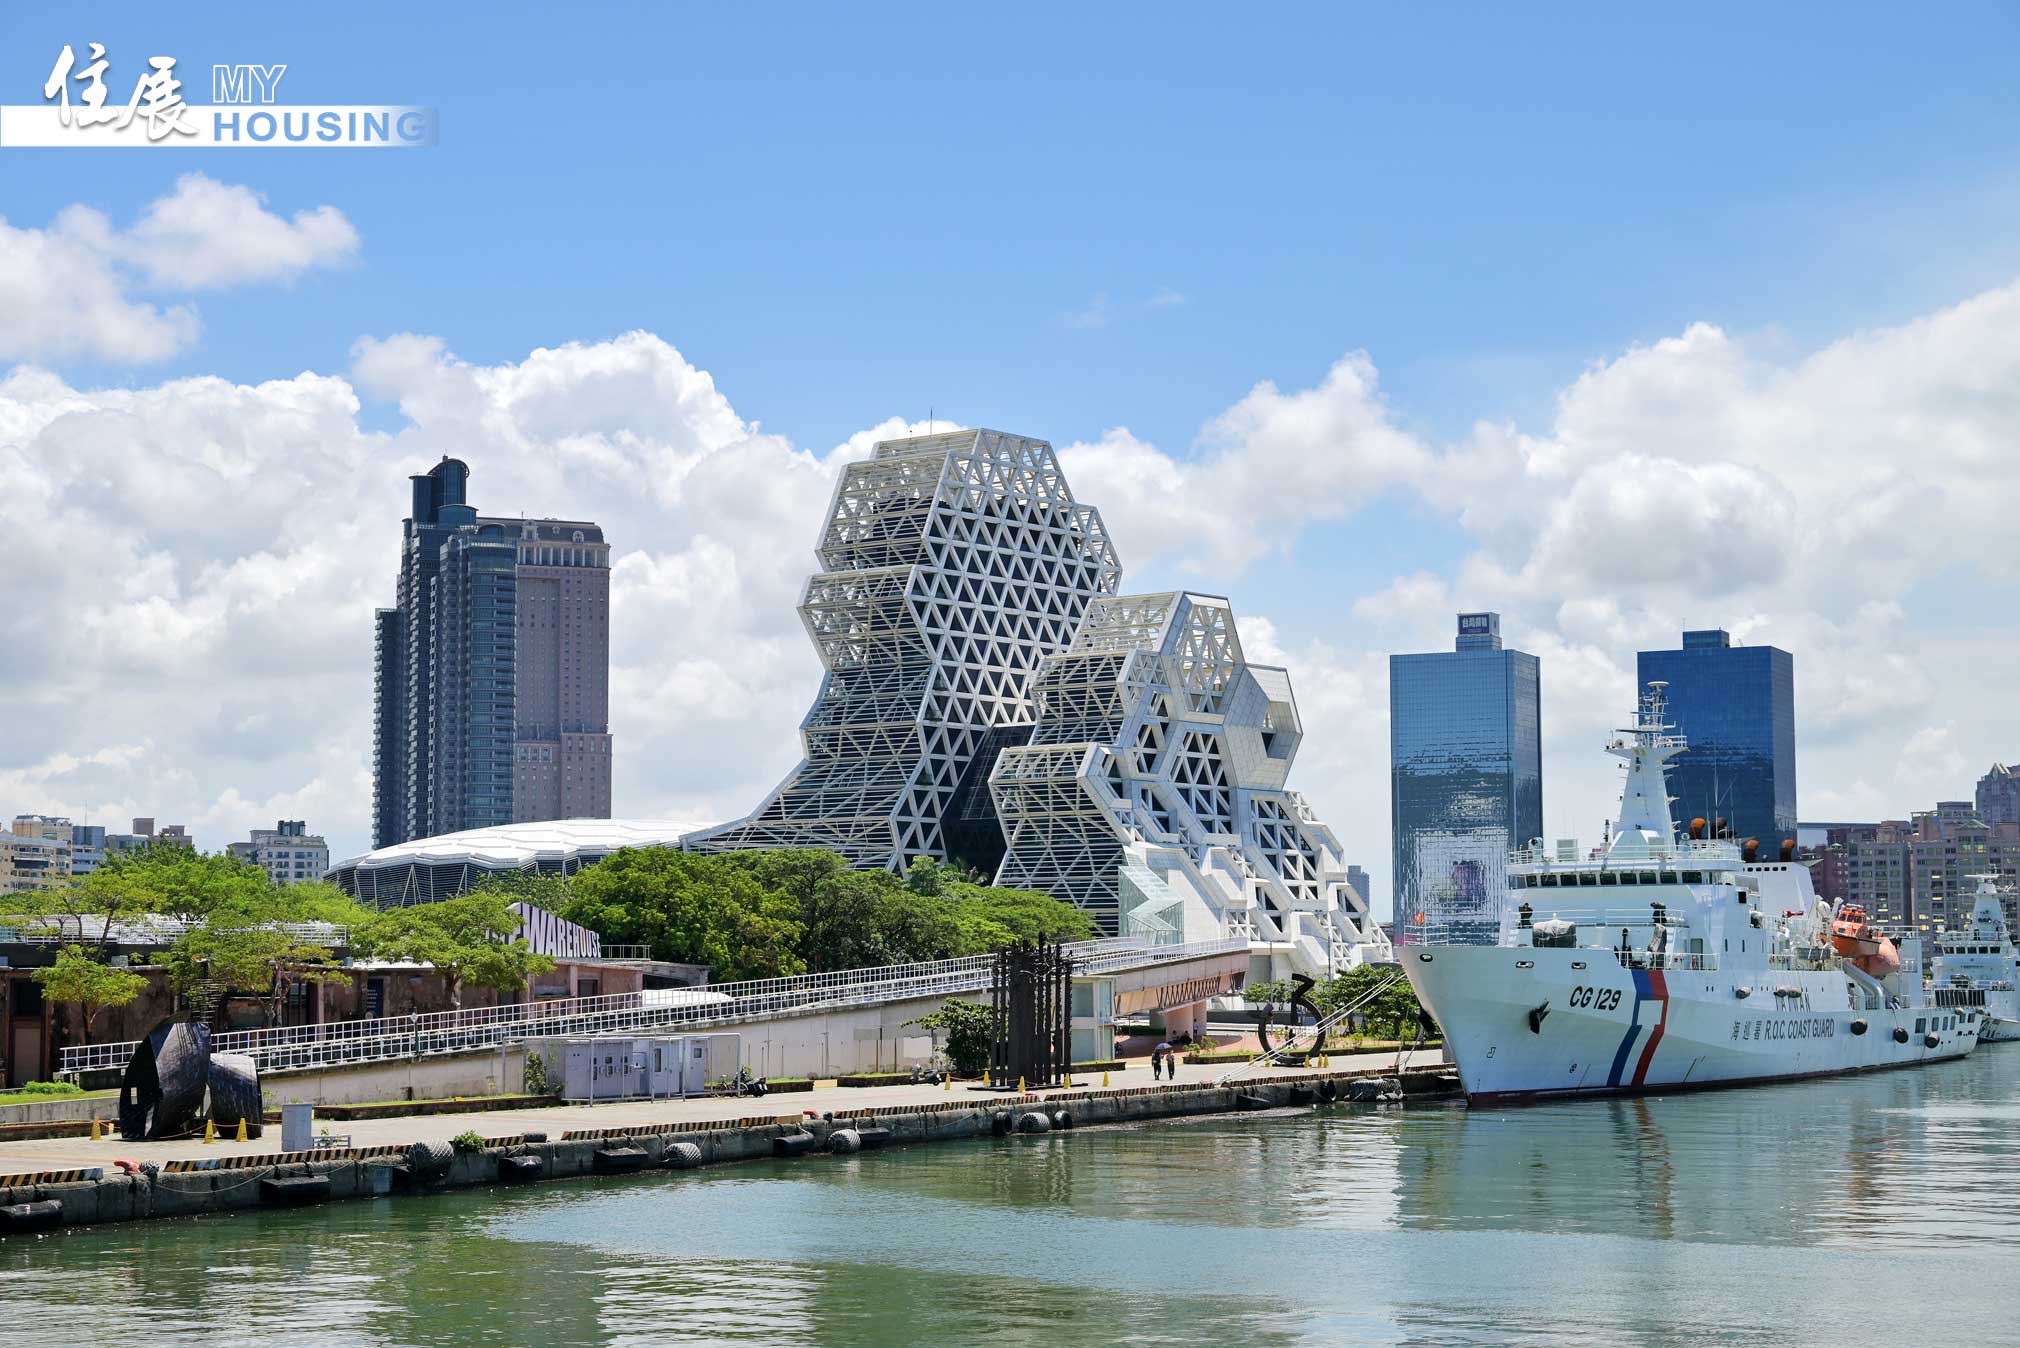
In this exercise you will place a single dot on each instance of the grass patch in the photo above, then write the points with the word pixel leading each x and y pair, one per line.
pixel 37 1091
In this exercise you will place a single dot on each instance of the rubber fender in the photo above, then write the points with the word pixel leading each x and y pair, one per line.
pixel 1931 1040
pixel 534 1137
pixel 1859 1025
pixel 683 1156
pixel 520 1169
pixel 1329 1091
pixel 873 1137
pixel 1251 1102
pixel 845 1142
pixel 999 1123
pixel 1034 1122
pixel 1900 1034
pixel 1063 1119
pixel 43 1216
pixel 1303 1095
pixel 1374 1090
pixel 287 1190
pixel 620 1160
pixel 793 1144
pixel 425 1160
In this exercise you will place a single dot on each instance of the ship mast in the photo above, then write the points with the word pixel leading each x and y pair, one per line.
pixel 1645 825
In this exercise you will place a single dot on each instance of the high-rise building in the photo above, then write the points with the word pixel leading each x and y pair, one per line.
pixel 1465 781
pixel 1735 707
pixel 1153 792
pixel 950 566
pixel 87 848
pixel 145 834
pixel 492 701
pixel 1358 878
pixel 1999 795
pixel 288 852
pixel 35 853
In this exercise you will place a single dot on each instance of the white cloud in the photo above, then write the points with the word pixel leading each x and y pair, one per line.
pixel 68 291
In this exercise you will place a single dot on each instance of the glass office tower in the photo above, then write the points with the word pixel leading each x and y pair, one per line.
pixel 1735 707
pixel 1466 781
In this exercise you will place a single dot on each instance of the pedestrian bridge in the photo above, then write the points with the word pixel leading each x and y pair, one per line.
pixel 1144 970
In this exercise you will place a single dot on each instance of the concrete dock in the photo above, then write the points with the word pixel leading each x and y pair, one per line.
pixel 556 1142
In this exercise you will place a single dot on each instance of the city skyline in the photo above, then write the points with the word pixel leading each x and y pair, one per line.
pixel 1748 370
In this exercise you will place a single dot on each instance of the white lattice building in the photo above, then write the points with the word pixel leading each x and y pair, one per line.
pixel 951 566
pixel 1153 793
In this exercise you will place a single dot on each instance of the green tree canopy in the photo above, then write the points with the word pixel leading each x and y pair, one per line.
pixel 76 979
pixel 471 938
pixel 691 909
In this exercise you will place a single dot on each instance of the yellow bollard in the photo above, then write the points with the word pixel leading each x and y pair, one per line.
pixel 1067 1077
pixel 241 1132
pixel 209 1131
pixel 1020 1085
pixel 97 1131
pixel 1104 1080
pixel 947 1082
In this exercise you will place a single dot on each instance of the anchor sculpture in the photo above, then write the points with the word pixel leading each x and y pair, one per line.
pixel 1300 999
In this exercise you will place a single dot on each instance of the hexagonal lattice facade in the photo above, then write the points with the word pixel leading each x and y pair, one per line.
pixel 953 565
pixel 1153 790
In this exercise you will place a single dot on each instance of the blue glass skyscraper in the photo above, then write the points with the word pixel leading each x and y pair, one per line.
pixel 1466 781
pixel 1735 707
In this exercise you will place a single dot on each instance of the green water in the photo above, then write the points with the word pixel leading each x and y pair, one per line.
pixel 1879 1210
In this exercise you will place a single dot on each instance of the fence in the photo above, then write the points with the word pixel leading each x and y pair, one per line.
pixel 394 1037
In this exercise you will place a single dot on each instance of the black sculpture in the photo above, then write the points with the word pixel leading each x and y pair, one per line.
pixel 1031 1025
pixel 1301 987
pixel 174 1081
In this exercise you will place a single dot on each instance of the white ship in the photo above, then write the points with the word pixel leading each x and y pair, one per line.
pixel 1661 963
pixel 1975 967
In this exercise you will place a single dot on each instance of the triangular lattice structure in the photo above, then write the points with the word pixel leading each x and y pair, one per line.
pixel 1155 781
pixel 953 564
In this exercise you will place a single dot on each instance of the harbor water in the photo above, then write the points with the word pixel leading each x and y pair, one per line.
pixel 1874 1210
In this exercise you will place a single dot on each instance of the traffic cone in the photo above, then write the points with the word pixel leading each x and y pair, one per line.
pixel 97 1130
pixel 241 1131
pixel 1020 1085
pixel 1104 1080
pixel 209 1131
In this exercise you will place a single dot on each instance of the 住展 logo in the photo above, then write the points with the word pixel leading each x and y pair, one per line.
pixel 75 111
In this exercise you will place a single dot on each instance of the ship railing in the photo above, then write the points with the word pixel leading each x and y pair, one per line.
pixel 1643 916
pixel 1692 960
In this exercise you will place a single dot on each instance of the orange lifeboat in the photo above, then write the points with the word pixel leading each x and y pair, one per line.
pixel 1855 939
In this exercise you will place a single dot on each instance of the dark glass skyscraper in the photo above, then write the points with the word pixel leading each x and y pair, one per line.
pixel 1466 781
pixel 493 672
pixel 1735 707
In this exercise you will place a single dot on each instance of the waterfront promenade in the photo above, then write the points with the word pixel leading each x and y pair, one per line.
pixel 54 1154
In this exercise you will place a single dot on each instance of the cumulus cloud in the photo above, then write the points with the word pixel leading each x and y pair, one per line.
pixel 69 290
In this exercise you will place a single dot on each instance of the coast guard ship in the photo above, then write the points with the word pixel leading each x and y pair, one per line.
pixel 1975 967
pixel 1660 963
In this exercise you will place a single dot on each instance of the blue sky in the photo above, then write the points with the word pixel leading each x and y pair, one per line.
pixel 1064 222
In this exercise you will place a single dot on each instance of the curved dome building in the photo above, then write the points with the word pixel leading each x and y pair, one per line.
pixel 427 869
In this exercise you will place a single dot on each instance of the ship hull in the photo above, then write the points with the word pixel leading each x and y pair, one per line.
pixel 1600 1028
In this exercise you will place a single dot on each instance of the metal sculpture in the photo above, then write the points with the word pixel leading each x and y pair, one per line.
pixel 1300 999
pixel 174 1082
pixel 1031 1020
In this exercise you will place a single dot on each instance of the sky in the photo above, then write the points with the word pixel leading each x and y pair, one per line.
pixel 1614 321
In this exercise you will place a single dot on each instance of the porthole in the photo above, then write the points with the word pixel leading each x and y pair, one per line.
pixel 1578 964
pixel 1525 964
pixel 1425 958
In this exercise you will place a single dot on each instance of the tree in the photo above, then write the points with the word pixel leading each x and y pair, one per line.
pixel 248 939
pixel 690 908
pixel 1393 1013
pixel 76 979
pixel 470 939
pixel 991 918
pixel 967 1026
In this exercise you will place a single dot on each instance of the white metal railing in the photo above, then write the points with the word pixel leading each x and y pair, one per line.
pixel 1666 959
pixel 420 1034
pixel 143 930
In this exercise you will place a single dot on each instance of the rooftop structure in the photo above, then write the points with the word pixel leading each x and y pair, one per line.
pixel 951 565
pixel 288 852
pixel 1153 791
pixel 427 869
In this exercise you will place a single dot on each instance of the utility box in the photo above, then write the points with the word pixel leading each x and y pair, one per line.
pixel 298 1127
pixel 628 1067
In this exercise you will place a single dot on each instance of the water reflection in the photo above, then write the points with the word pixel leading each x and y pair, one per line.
pixel 1736 1217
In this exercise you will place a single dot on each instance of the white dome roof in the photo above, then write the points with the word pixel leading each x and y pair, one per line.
pixel 521 846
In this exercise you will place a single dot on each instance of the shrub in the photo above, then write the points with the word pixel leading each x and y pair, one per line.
pixel 467 1142
pixel 536 1075
pixel 50 1088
